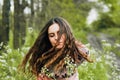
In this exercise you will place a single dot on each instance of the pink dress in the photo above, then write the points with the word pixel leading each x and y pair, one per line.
pixel 73 77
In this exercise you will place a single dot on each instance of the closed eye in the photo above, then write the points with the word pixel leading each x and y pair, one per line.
pixel 51 35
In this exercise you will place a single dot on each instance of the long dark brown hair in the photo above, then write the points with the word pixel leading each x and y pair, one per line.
pixel 43 54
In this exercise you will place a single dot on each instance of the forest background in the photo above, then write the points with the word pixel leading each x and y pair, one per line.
pixel 96 23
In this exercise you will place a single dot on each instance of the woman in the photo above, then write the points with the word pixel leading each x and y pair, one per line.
pixel 56 54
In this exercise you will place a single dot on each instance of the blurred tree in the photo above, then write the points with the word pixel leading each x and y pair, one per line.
pixel 114 12
pixel 4 28
pixel 19 31
pixel 43 15
pixel 104 22
pixel 75 11
pixel 110 18
pixel 32 12
pixel 22 22
pixel 16 32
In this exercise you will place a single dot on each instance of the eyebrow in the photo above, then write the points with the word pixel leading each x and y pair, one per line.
pixel 51 33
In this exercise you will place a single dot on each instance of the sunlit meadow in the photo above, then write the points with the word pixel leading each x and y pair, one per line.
pixel 105 65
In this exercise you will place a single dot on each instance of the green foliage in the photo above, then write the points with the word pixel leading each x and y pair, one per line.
pixel 104 22
pixel 31 36
pixel 114 32
pixel 81 35
pixel 9 61
pixel 104 66
pixel 108 19
pixel 75 13
pixel 114 9
pixel 101 69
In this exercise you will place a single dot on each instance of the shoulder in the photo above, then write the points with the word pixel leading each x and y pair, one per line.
pixel 81 47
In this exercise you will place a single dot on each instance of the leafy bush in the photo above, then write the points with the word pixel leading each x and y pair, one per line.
pixel 9 61
pixel 104 67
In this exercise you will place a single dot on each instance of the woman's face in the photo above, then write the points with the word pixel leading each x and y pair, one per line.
pixel 53 31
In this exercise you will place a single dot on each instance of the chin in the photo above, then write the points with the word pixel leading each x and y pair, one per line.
pixel 59 47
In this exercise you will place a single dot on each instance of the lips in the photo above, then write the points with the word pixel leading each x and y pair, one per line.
pixel 59 44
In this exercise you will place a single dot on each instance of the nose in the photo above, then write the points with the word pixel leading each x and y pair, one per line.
pixel 56 37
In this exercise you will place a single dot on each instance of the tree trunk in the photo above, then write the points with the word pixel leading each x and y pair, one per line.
pixel 19 23
pixel 22 28
pixel 4 29
pixel 32 13
pixel 22 22
pixel 16 31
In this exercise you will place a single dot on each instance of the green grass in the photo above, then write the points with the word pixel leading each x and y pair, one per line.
pixel 104 66
pixel 101 69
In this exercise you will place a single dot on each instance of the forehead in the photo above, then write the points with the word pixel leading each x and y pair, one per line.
pixel 53 28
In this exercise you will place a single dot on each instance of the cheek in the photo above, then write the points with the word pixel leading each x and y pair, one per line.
pixel 63 38
pixel 51 41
